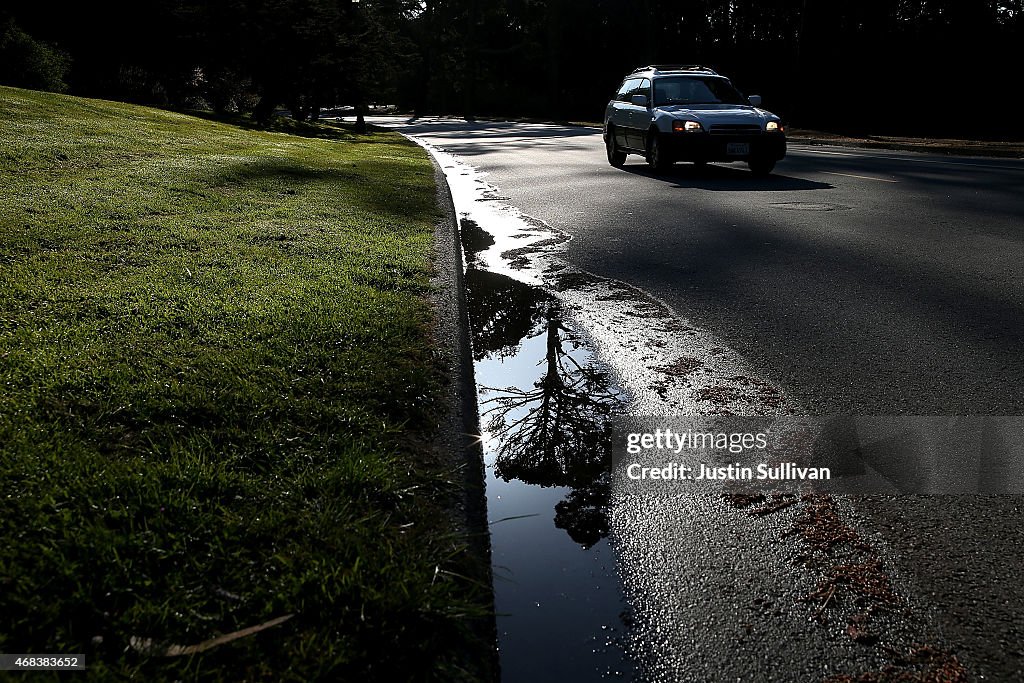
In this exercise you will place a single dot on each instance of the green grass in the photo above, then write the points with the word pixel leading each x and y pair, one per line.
pixel 219 397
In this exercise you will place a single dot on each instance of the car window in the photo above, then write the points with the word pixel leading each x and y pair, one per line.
pixel 695 90
pixel 627 89
pixel 644 88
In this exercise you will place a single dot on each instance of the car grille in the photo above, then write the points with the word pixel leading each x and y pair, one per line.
pixel 735 129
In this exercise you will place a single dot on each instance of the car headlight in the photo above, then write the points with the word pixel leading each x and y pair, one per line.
pixel 773 127
pixel 687 127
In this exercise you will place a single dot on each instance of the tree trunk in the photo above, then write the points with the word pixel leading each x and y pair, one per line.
pixel 264 109
pixel 553 23
pixel 360 118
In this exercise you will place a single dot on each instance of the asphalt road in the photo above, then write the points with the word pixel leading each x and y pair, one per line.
pixel 863 282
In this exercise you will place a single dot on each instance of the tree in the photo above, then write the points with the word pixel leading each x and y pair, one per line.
pixel 29 63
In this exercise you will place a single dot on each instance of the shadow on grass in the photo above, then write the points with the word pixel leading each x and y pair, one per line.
pixel 374 191
pixel 325 130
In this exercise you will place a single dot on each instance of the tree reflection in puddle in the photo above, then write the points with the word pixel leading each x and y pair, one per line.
pixel 552 427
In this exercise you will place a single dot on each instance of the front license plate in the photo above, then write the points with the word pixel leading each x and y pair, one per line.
pixel 737 149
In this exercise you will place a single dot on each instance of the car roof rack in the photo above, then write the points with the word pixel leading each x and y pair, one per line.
pixel 675 67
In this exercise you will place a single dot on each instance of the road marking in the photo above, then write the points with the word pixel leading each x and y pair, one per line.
pixel 818 151
pixel 863 177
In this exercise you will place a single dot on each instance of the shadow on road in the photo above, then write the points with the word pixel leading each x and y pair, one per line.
pixel 717 177
pixel 898 330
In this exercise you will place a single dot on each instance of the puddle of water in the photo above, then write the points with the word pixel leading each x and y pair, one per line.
pixel 546 409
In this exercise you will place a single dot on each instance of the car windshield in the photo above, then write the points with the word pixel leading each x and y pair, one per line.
pixel 695 90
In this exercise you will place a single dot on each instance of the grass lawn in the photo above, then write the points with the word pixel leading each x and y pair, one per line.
pixel 219 397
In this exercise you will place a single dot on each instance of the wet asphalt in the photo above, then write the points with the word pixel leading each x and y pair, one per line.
pixel 864 282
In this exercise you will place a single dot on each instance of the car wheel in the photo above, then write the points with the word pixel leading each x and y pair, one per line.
pixel 761 167
pixel 616 157
pixel 657 157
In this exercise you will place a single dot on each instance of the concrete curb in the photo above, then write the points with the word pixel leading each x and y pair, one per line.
pixel 461 423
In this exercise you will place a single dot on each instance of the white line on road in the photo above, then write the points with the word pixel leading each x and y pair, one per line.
pixel 818 151
pixel 863 177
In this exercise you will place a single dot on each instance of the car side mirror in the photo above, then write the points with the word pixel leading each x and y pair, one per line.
pixel 755 100
pixel 639 100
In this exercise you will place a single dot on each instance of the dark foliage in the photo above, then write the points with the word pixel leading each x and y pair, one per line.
pixel 230 55
pixel 30 63
pixel 872 66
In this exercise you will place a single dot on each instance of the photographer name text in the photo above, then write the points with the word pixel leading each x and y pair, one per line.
pixel 786 471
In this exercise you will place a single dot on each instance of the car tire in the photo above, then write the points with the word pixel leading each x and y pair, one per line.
pixel 616 157
pixel 761 167
pixel 657 157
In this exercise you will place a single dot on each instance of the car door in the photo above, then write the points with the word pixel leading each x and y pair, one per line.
pixel 622 111
pixel 639 117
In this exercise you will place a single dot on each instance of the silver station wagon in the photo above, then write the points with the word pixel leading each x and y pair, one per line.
pixel 670 113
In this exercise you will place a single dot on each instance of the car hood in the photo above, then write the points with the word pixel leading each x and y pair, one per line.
pixel 718 113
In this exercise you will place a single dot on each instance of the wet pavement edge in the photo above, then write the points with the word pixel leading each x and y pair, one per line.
pixel 458 433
